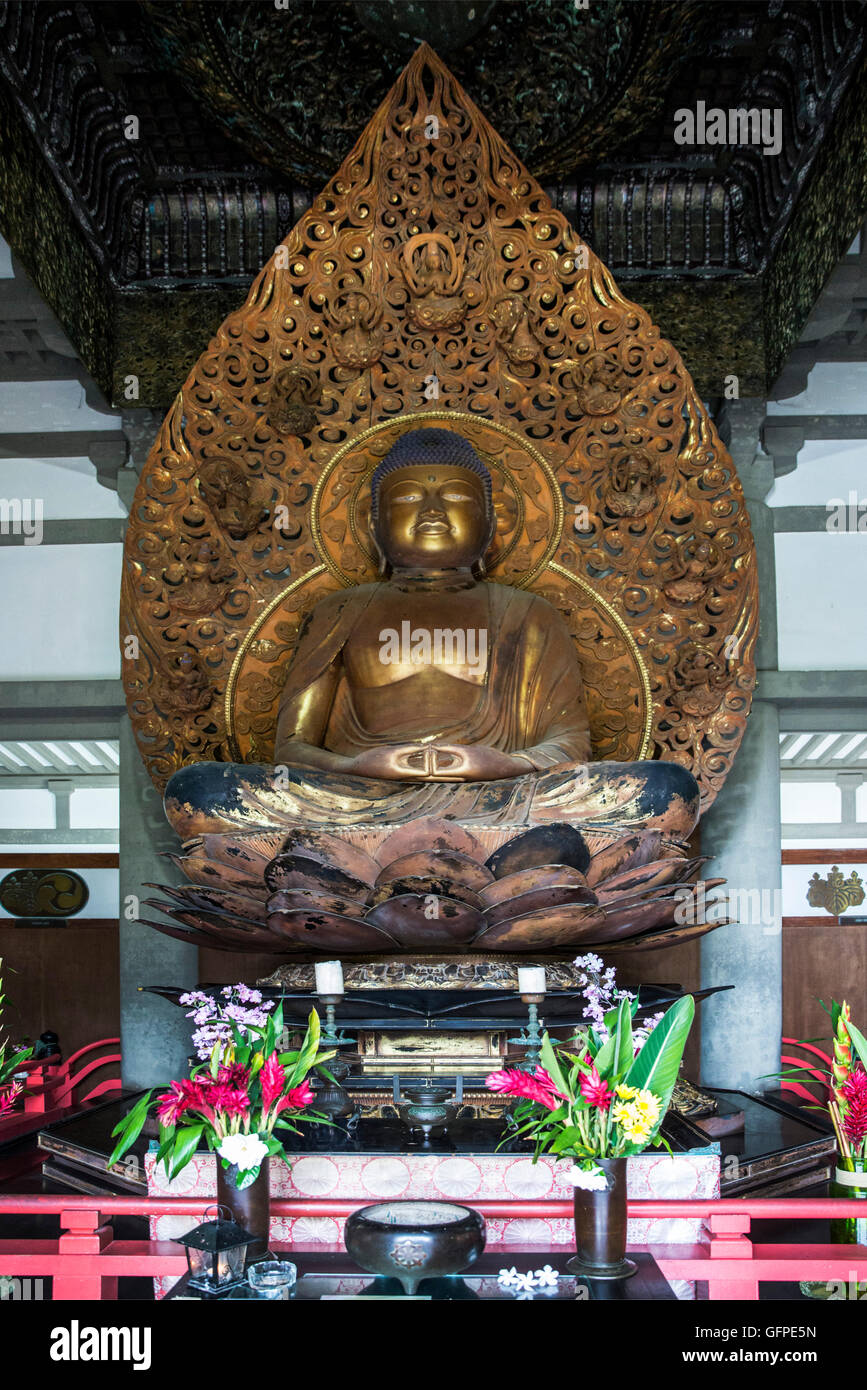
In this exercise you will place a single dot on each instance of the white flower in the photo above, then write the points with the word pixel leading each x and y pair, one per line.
pixel 244 1150
pixel 592 1180
pixel 546 1277
pixel 508 1277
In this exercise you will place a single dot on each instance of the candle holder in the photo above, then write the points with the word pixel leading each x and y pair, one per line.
pixel 530 1038
pixel 330 1037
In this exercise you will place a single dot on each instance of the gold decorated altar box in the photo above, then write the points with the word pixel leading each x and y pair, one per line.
pixel 427 1053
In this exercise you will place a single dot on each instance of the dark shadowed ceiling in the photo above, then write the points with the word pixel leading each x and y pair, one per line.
pixel 243 110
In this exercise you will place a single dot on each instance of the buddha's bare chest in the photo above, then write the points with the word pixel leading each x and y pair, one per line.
pixel 432 635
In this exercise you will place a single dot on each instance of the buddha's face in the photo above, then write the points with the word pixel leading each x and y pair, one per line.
pixel 432 517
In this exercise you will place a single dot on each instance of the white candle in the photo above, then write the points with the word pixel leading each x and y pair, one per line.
pixel 329 977
pixel 531 979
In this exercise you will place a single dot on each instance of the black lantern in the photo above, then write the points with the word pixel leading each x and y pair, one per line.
pixel 216 1253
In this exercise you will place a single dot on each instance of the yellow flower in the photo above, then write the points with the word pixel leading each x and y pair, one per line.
pixel 636 1113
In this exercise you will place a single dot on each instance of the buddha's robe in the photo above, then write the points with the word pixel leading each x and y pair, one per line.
pixel 531 703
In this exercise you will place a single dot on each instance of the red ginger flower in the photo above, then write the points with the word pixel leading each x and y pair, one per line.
pixel 297 1098
pixel 230 1099
pixel 273 1079
pixel 841 1064
pixel 596 1091
pixel 854 1096
pixel 539 1087
pixel 9 1095
pixel 182 1096
pixel 235 1074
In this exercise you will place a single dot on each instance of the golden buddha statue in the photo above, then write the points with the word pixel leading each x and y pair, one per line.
pixel 432 692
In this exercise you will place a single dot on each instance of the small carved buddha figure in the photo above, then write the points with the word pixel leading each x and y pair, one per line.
pixel 432 692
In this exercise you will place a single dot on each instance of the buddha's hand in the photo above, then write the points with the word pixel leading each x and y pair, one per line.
pixel 438 762
pixel 474 762
pixel 398 761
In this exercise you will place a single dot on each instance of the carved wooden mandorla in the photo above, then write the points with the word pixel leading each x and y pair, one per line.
pixel 433 280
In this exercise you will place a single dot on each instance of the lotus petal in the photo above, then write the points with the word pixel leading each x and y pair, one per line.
pixel 296 871
pixel 421 921
pixel 623 920
pixel 526 880
pixel 219 899
pixel 535 900
pixel 458 868
pixel 329 931
pixel 246 935
pixel 640 894
pixel 209 873
pixel 331 850
pixel 656 940
pixel 628 852
pixel 557 843
pixel 614 858
pixel 247 852
pixel 427 887
pixel 429 833
pixel 217 941
pixel 301 899
pixel 569 925
pixel 655 874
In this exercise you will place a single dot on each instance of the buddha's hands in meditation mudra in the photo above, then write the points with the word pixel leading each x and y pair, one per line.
pixel 438 762
pixel 432 677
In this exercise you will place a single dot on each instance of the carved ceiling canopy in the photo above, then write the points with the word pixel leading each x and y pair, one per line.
pixel 432 280
pixel 142 241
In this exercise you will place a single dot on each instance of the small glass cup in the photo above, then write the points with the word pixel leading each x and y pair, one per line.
pixel 273 1278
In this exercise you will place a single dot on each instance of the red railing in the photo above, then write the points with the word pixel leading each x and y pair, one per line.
pixel 52 1086
pixel 85 1261
pixel 819 1073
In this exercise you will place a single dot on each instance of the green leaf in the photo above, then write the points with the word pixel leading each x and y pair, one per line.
pixel 552 1066
pixel 568 1136
pixel 185 1145
pixel 656 1066
pixel 614 1058
pixel 859 1042
pixel 308 1051
pixel 247 1177
pixel 130 1128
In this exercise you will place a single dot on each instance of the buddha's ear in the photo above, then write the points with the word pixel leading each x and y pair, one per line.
pixel 480 569
pixel 383 567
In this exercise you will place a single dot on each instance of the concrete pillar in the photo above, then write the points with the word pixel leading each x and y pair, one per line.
pixel 155 1035
pixel 741 1029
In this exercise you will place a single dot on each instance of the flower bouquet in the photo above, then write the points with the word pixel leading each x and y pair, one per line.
pixel 598 1099
pixel 845 1101
pixel 11 1089
pixel 845 1104
pixel 235 1102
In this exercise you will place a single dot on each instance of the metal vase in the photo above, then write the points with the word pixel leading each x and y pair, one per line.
pixel 250 1206
pixel 600 1227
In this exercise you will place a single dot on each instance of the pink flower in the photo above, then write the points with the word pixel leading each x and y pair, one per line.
pixel 235 1075
pixel 9 1095
pixel 273 1079
pixel 539 1088
pixel 297 1098
pixel 229 1099
pixel 183 1096
pixel 596 1091
pixel 853 1093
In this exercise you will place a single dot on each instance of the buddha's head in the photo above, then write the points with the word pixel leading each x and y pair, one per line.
pixel 431 504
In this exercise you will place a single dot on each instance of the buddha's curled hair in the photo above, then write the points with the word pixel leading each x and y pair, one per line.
pixel 435 447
